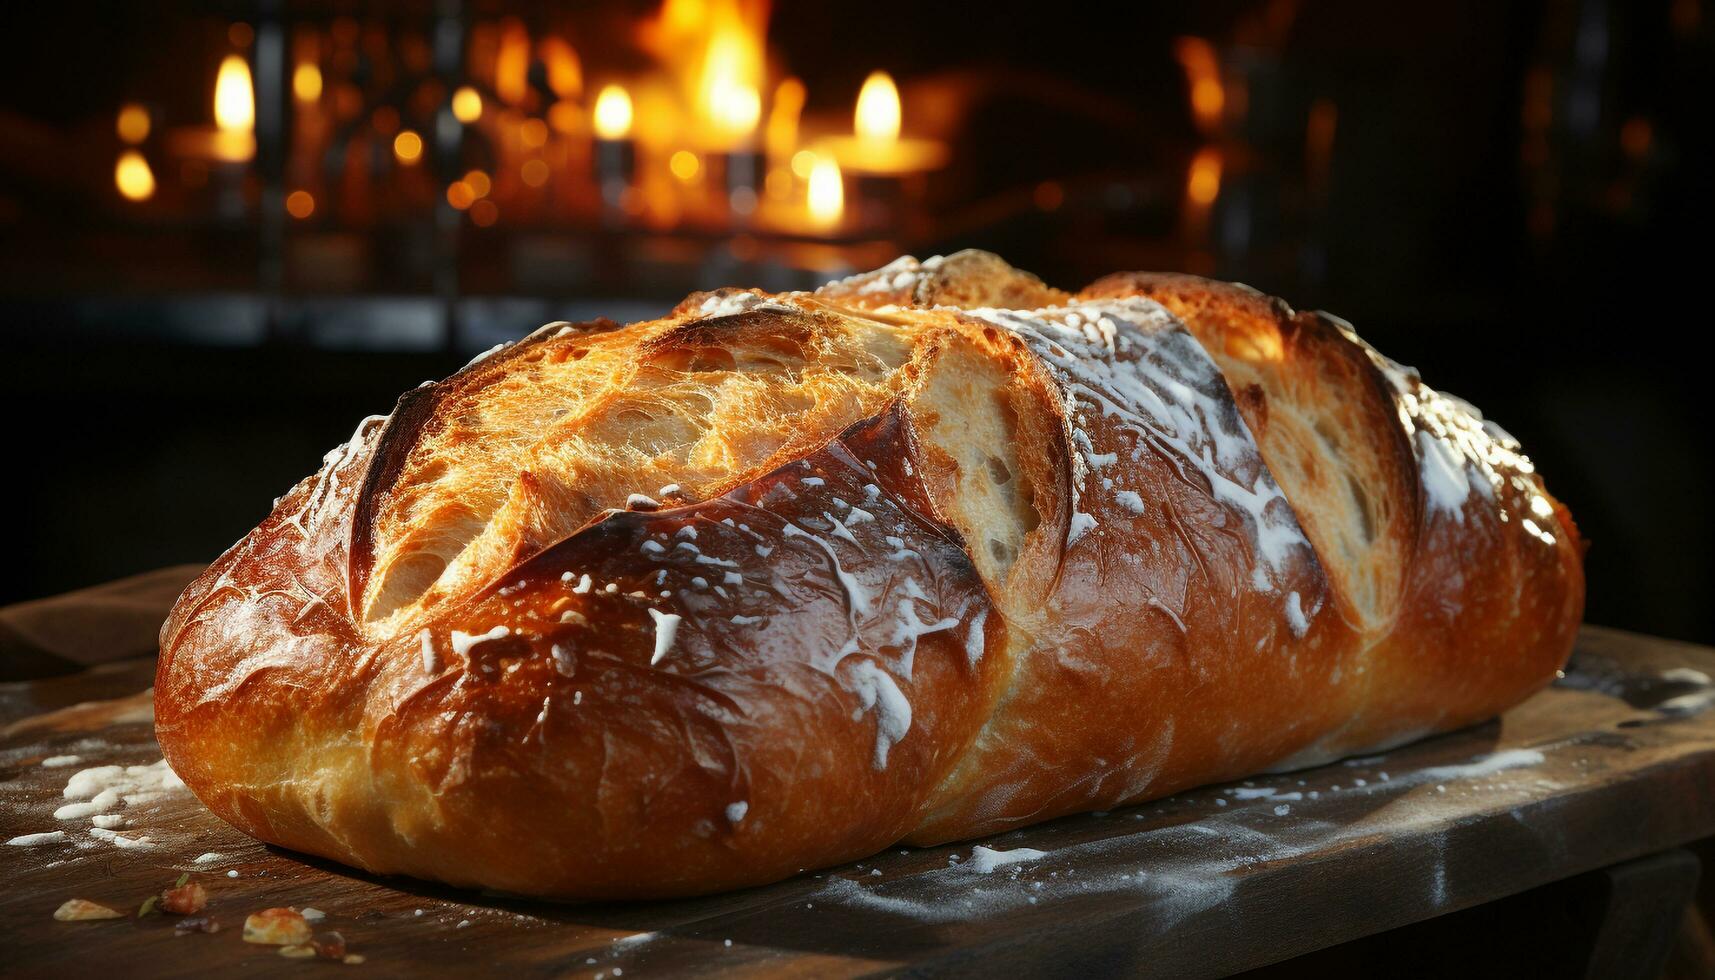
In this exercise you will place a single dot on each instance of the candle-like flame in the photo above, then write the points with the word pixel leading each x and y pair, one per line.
pixel 827 198
pixel 133 123
pixel 1203 73
pixel 512 62
pixel 781 137
pixel 727 92
pixel 877 116
pixel 613 113
pixel 136 182
pixel 1203 180
pixel 234 97
pixel 565 72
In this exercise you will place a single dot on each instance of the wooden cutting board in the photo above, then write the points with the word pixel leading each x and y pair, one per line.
pixel 1615 761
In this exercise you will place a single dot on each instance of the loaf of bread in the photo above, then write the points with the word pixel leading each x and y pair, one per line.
pixel 780 580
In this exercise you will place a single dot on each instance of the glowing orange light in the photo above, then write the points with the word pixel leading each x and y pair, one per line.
pixel 307 82
pixel 133 123
pixel 613 113
pixel 478 183
pixel 1208 98
pixel 684 165
pixel 827 195
pixel 459 195
pixel 300 204
pixel 565 72
pixel 512 62
pixel 877 116
pixel 1203 181
pixel 467 105
pixel 234 96
pixel 534 173
pixel 484 213
pixel 408 147
pixel 780 138
pixel 728 92
pixel 136 182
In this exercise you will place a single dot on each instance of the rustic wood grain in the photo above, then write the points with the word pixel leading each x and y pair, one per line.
pixel 1205 883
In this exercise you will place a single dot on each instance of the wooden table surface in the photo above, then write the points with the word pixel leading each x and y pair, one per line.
pixel 1615 761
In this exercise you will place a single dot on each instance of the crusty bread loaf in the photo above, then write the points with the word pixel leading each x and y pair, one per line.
pixel 777 581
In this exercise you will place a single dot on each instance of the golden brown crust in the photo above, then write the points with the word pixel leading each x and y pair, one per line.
pixel 779 580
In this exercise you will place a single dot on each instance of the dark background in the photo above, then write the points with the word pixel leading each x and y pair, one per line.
pixel 1548 268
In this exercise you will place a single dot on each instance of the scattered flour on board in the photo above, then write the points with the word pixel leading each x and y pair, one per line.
pixel 98 794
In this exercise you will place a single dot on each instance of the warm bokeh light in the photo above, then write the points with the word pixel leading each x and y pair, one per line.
pixel 1203 181
pixel 133 123
pixel 877 116
pixel 1203 74
pixel 732 69
pixel 512 62
pixel 136 182
pixel 300 204
pixel 234 96
pixel 684 165
pixel 484 213
pixel 827 200
pixel 307 82
pixel 459 195
pixel 534 173
pixel 780 137
pixel 613 113
pixel 803 162
pixel 467 105
pixel 478 183
pixel 565 72
pixel 533 133
pixel 408 147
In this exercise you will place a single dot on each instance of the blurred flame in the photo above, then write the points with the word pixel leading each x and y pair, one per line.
pixel 133 123
pixel 727 93
pixel 877 116
pixel 1203 181
pixel 565 72
pixel 234 97
pixel 714 54
pixel 1203 73
pixel 780 138
pixel 827 198
pixel 613 113
pixel 136 182
pixel 512 62
pixel 307 82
